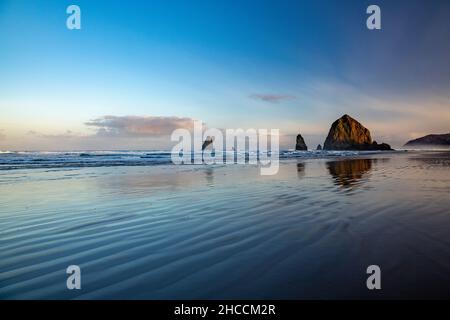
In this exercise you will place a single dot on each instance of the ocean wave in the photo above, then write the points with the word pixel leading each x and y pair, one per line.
pixel 79 159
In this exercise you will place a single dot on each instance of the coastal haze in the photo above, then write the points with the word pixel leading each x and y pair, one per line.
pixel 86 170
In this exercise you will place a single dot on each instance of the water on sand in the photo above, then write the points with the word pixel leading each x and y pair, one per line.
pixel 182 232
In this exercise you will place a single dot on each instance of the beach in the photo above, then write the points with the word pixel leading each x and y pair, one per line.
pixel 153 230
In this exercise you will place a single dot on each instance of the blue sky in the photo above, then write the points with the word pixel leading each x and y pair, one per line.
pixel 292 65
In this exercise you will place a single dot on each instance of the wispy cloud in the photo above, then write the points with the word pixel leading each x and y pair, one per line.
pixel 138 126
pixel 271 98
pixel 65 135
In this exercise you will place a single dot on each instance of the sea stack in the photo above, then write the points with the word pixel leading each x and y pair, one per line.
pixel 207 142
pixel 319 147
pixel 348 134
pixel 300 145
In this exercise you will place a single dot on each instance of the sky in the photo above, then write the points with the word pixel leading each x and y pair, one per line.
pixel 137 70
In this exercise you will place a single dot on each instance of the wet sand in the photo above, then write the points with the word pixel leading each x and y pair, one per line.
pixel 225 231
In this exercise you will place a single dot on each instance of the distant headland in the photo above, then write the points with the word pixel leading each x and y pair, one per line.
pixel 430 140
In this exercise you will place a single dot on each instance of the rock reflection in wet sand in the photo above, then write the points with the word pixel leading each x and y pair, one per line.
pixel 300 169
pixel 350 173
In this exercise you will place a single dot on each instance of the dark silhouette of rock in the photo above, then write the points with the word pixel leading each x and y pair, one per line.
pixel 348 134
pixel 300 145
pixel 319 147
pixel 300 169
pixel 381 146
pixel 207 142
pixel 430 140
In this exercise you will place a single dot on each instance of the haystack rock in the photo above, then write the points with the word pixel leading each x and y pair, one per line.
pixel 348 134
pixel 300 145
pixel 319 147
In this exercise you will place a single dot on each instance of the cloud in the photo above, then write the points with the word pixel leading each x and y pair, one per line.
pixel 138 126
pixel 271 98
pixel 66 135
pixel 109 133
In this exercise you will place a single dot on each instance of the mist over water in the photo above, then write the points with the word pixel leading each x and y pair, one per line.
pixel 225 231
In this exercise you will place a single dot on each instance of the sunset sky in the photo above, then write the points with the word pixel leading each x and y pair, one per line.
pixel 138 70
